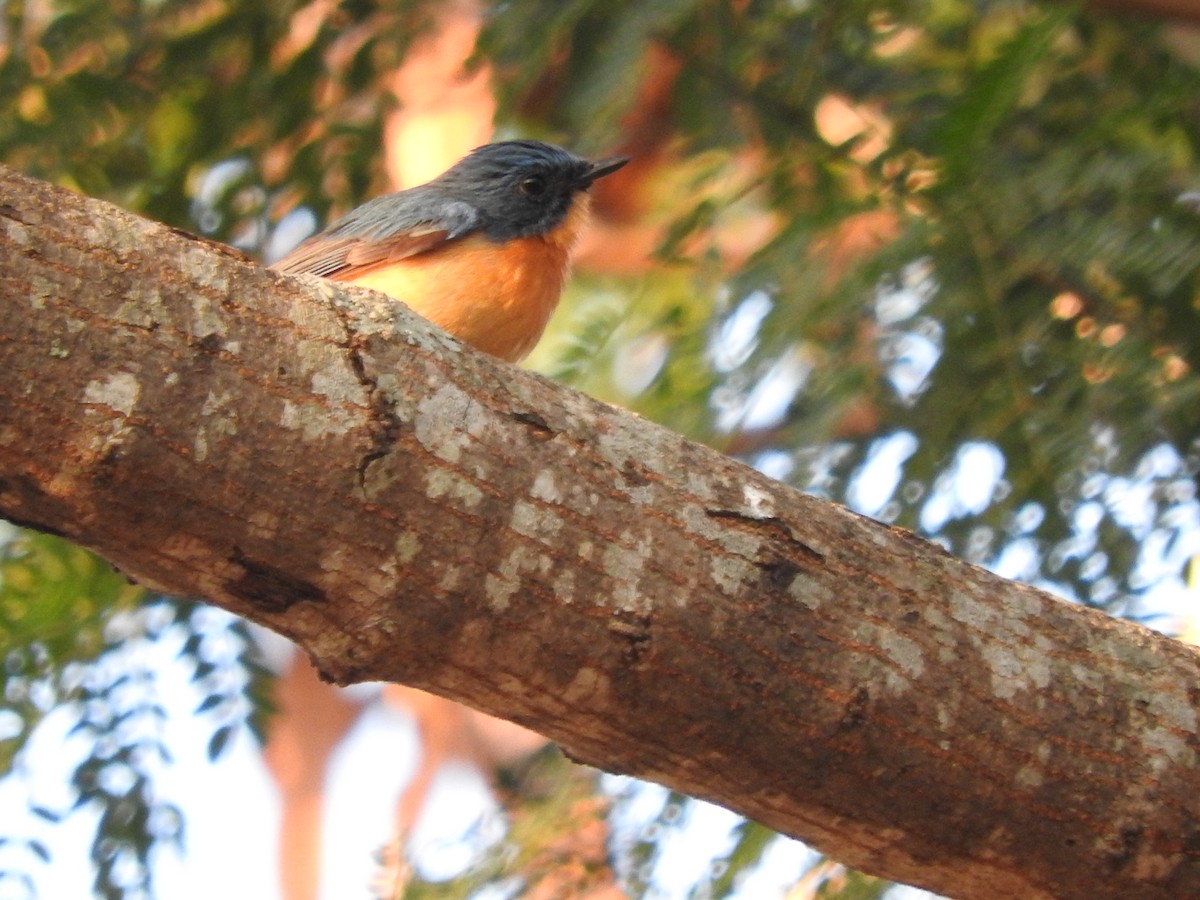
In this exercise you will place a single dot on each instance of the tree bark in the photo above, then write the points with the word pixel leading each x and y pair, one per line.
pixel 324 462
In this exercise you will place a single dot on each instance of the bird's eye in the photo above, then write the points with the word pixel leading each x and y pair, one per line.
pixel 533 186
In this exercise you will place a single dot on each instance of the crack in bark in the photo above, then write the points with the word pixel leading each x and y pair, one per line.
pixel 266 587
pixel 9 211
pixel 635 628
pixel 767 528
pixel 855 713
pixel 384 423
pixel 213 245
pixel 210 344
pixel 540 428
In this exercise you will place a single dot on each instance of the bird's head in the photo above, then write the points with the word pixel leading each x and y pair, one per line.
pixel 522 188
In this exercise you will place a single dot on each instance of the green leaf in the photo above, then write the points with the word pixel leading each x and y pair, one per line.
pixel 752 840
pixel 993 93
pixel 58 596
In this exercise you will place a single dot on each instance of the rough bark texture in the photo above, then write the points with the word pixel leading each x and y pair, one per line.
pixel 322 461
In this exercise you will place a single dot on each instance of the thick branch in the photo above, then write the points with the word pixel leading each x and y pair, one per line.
pixel 322 461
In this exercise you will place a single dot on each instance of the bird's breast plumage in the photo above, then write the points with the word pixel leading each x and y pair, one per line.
pixel 497 297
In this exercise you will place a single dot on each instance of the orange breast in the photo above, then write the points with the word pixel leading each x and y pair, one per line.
pixel 495 297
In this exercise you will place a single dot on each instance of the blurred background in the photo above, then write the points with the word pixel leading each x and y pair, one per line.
pixel 934 259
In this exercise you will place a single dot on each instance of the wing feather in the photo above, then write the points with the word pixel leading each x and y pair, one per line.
pixel 380 232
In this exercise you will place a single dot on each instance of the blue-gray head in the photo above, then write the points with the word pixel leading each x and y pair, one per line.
pixel 521 188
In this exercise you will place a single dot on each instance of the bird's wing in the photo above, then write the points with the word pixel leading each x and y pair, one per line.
pixel 330 256
pixel 379 232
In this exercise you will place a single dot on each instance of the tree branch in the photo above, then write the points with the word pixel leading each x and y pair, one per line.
pixel 322 461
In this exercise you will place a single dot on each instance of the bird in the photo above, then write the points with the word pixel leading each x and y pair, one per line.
pixel 483 250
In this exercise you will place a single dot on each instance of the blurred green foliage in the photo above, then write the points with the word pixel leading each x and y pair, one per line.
pixel 55 602
pixel 555 840
pixel 132 101
pixel 71 634
pixel 1010 370
pixel 1036 169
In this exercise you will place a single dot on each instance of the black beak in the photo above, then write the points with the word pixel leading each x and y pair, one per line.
pixel 601 167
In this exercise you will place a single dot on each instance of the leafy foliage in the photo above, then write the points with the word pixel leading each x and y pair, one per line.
pixel 1033 294
pixel 74 633
pixel 555 841
pixel 133 102
pixel 752 840
pixel 55 601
